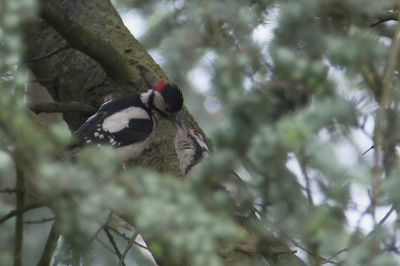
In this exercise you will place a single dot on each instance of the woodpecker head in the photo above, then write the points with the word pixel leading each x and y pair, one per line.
pixel 190 145
pixel 166 99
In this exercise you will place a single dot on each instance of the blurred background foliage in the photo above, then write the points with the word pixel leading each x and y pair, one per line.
pixel 291 93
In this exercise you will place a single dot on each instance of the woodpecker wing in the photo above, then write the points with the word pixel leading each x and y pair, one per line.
pixel 118 123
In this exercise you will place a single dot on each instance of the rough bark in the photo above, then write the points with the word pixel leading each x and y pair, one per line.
pixel 71 75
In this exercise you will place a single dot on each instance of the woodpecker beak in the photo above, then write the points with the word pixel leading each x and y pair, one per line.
pixel 179 123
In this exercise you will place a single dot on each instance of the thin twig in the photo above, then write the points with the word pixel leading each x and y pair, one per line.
pixel 303 166
pixel 294 242
pixel 126 238
pixel 131 242
pixel 339 252
pixel 76 253
pixel 310 253
pixel 105 245
pixel 389 16
pixel 39 221
pixel 118 233
pixel 111 239
pixel 55 51
pixel 21 210
pixel 102 227
pixel 381 222
pixel 9 191
pixel 372 147
pixel 20 186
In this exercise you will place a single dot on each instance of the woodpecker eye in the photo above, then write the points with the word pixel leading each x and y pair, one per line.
pixel 197 132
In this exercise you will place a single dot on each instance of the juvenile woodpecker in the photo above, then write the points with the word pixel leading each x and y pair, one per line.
pixel 191 147
pixel 129 123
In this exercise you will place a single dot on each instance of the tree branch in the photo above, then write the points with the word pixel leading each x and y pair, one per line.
pixel 105 246
pixel 389 16
pixel 50 246
pixel 131 242
pixel 102 227
pixel 381 222
pixel 38 58
pixel 113 63
pixel 303 166
pixel 8 190
pixel 57 107
pixel 125 237
pixel 19 234
pixel 112 241
pixel 40 221
pixel 21 210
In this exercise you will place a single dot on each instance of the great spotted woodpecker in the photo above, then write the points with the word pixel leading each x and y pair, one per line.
pixel 129 123
pixel 191 147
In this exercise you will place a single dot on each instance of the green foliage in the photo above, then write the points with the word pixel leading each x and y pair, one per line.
pixel 281 99
pixel 283 119
pixel 170 211
pixel 345 52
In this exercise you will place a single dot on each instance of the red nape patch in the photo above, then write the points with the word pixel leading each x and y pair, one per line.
pixel 160 86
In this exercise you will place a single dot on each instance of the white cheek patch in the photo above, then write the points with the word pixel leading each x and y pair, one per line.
pixel 158 101
pixel 202 144
pixel 200 141
pixel 120 120
pixel 144 97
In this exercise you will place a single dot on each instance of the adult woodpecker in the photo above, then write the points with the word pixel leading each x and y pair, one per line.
pixel 191 147
pixel 129 123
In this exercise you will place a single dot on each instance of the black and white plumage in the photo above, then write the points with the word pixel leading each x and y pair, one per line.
pixel 129 123
pixel 191 147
